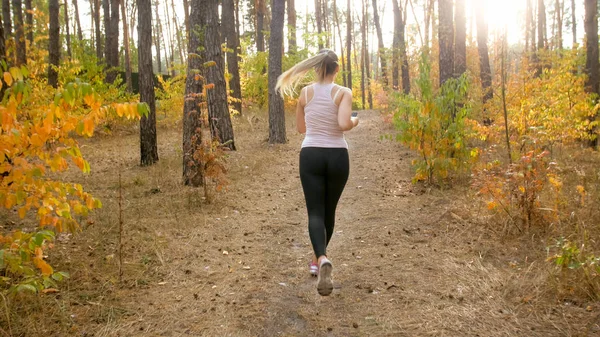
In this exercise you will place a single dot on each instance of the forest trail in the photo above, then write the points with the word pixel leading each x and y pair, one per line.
pixel 407 261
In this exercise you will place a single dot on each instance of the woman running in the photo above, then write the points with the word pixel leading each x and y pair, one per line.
pixel 324 112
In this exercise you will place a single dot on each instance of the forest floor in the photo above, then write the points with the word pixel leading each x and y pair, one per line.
pixel 408 260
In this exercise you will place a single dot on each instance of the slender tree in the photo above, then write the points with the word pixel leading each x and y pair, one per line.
pixel 337 24
pixel 99 44
pixel 381 48
pixel 112 44
pixel 592 64
pixel 2 43
pixel 403 53
pixel 460 41
pixel 445 38
pixel 558 12
pixel 67 30
pixel 349 44
pixel 230 33
pixel 193 173
pixel 276 110
pixel 541 25
pixel 260 18
pixel 77 20
pixel 29 20
pixel 171 57
pixel 148 141
pixel 177 31
pixel 6 17
pixel 485 72
pixel 157 39
pixel 367 55
pixel 186 17
pixel 53 42
pixel 107 33
pixel 291 16
pixel 218 111
pixel 127 49
pixel 20 43
pixel 319 19
pixel 363 33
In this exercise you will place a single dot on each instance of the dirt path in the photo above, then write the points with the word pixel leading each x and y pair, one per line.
pixel 407 262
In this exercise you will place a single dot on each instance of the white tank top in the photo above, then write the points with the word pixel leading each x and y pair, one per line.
pixel 321 117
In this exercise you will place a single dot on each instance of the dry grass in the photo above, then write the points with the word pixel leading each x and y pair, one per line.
pixel 408 261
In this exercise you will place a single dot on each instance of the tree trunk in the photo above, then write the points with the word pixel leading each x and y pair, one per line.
pixel 114 41
pixel 363 51
pixel 260 18
pixel 218 111
pixel 193 173
pixel 558 10
pixel 158 38
pixel 177 32
pixel 574 23
pixel 186 13
pixel 592 64
pixel 337 24
pixel 429 9
pixel 541 25
pixel 6 17
pixel 148 142
pixel 21 45
pixel 367 56
pixel 291 15
pixel 53 42
pixel 126 43
pixel 230 33
pixel 396 45
pixel 29 20
pixel 349 44
pixel 460 65
pixel 2 44
pixel 170 36
pixel 276 109
pixel 77 20
pixel 446 37
pixel 107 34
pixel 403 54
pixel 319 19
pixel 485 72
pixel 381 50
pixel 99 49
pixel 67 30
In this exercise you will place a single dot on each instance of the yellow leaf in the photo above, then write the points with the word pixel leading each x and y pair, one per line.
pixel 8 78
pixel 88 127
pixel 43 266
pixel 22 212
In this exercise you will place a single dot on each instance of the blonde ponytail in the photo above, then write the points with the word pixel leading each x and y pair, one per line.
pixel 324 63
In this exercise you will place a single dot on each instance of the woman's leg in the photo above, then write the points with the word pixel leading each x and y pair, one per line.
pixel 312 175
pixel 338 169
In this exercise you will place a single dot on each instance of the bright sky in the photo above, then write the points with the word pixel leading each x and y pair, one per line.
pixel 500 14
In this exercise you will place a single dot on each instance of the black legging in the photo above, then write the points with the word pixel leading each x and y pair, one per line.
pixel 323 172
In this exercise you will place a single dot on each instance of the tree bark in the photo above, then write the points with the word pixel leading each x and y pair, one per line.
pixel 29 20
pixel 99 49
pixel 446 37
pixel 148 142
pixel 157 39
pixel 381 49
pixel 367 57
pixel 21 45
pixel 460 65
pixel 319 19
pixel 2 44
pixel 112 46
pixel 349 44
pixel 67 30
pixel 186 13
pixel 77 20
pixel 541 25
pixel 363 34
pixel 230 33
pixel 126 43
pixel 403 53
pixel 485 72
pixel 592 64
pixel 171 44
pixel 177 32
pixel 277 133
pixel 260 18
pixel 558 10
pixel 337 24
pixel 53 42
pixel 107 33
pixel 193 173
pixel 6 16
pixel 291 15
pixel 218 111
